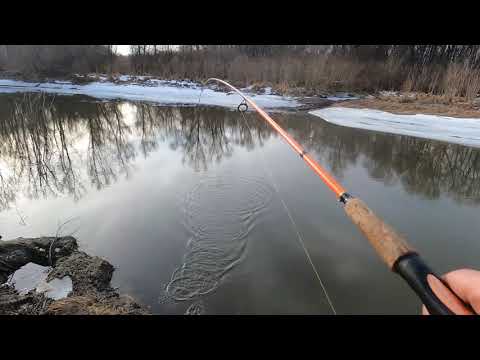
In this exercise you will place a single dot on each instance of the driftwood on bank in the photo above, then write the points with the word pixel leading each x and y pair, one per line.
pixel 91 276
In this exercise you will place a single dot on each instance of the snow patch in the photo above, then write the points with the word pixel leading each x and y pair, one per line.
pixel 164 92
pixel 32 276
pixel 388 93
pixel 341 97
pixel 28 277
pixel 124 77
pixel 464 131
pixel 57 288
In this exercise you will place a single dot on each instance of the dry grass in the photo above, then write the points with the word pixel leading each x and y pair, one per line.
pixel 419 104
pixel 310 73
pixel 85 305
pixel 325 72
pixel 314 74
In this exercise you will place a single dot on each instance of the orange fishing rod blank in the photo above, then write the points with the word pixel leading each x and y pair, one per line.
pixel 321 172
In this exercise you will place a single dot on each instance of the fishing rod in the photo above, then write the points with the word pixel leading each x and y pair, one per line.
pixel 392 248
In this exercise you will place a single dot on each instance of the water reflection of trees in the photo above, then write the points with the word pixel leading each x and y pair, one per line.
pixel 110 149
pixel 201 135
pixel 35 149
pixel 51 146
pixel 425 167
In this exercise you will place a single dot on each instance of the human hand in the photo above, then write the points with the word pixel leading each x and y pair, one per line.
pixel 465 283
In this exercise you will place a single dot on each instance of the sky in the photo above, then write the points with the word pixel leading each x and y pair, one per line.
pixel 123 49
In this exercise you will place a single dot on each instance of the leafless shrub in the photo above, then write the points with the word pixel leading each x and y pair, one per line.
pixel 447 70
pixel 461 80
pixel 54 60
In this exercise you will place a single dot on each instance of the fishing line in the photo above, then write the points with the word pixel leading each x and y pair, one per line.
pixel 242 108
pixel 292 221
pixel 200 96
pixel 392 247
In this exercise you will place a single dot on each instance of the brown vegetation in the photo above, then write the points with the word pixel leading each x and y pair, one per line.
pixel 89 305
pixel 37 61
pixel 419 103
pixel 448 70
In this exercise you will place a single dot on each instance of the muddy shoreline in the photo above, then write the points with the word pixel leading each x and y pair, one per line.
pixel 91 292
pixel 291 99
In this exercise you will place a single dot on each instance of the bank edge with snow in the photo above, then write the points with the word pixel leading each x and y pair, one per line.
pixel 463 131
pixel 158 91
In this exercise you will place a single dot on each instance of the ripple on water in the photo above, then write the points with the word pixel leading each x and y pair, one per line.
pixel 219 213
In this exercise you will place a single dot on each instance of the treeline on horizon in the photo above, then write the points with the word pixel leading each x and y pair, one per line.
pixel 449 70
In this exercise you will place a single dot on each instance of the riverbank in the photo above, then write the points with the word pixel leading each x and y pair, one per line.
pixel 450 119
pixel 171 92
pixel 187 92
pixel 418 103
pixel 142 88
pixel 462 131
pixel 51 276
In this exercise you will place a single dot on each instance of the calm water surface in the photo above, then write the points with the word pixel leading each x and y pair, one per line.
pixel 182 201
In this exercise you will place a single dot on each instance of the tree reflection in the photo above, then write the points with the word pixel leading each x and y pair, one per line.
pixel 57 145
pixel 110 149
pixel 202 135
pixel 54 145
pixel 34 148
pixel 424 167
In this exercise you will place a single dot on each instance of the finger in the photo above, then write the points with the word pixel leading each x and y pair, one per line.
pixel 424 310
pixel 465 283
pixel 447 296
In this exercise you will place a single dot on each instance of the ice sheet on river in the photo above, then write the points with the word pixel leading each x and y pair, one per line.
pixel 464 131
pixel 164 92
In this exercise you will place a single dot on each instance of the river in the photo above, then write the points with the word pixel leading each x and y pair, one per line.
pixel 188 203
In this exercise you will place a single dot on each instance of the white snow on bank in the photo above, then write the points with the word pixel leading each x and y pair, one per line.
pixel 159 91
pixel 268 91
pixel 57 288
pixel 342 97
pixel 33 276
pixel 462 131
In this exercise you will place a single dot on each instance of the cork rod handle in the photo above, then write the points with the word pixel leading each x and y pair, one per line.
pixel 384 239
pixel 404 260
